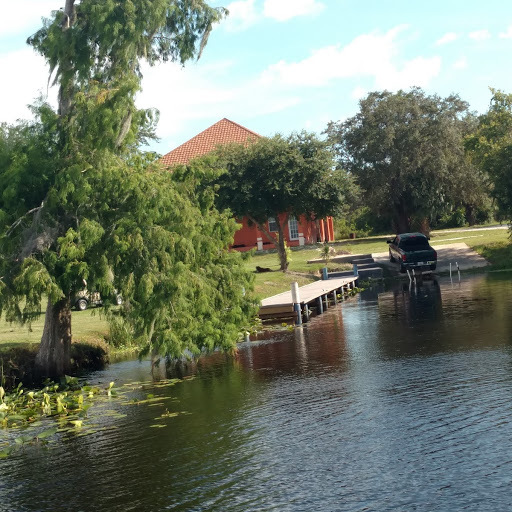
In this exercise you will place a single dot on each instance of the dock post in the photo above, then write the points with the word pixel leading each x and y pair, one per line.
pixel 325 274
pixel 334 297
pixel 356 272
pixel 320 304
pixel 326 298
pixel 306 312
pixel 458 270
pixel 296 302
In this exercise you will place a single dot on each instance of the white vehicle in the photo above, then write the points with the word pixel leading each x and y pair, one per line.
pixel 85 299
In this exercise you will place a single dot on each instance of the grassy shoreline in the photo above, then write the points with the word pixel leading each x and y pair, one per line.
pixel 493 244
pixel 91 326
pixel 18 344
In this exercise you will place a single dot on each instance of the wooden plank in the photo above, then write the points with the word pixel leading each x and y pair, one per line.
pixel 309 292
pixel 269 310
pixel 278 316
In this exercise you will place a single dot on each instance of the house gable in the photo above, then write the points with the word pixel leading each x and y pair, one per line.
pixel 222 132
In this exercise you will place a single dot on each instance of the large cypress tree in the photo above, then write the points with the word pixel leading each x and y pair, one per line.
pixel 79 203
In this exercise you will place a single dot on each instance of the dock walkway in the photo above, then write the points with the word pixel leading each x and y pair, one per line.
pixel 316 293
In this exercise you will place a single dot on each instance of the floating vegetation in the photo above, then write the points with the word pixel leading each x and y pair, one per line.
pixel 62 410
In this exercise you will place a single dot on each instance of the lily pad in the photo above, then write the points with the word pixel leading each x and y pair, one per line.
pixel 47 433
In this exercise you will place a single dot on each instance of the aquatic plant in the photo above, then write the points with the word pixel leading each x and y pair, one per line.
pixel 66 403
pixel 39 416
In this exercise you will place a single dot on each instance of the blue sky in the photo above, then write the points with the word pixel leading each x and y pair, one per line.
pixel 286 65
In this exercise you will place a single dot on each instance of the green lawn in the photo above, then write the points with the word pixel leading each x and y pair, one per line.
pixel 88 326
pixel 495 245
pixel 272 283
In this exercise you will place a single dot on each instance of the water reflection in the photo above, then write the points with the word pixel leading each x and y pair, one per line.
pixel 397 400
pixel 413 302
pixel 295 353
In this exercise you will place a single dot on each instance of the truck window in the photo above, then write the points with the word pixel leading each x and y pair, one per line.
pixel 418 243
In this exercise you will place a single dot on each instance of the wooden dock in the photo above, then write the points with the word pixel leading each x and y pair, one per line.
pixel 316 295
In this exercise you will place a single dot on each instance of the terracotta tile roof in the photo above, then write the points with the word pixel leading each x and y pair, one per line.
pixel 222 132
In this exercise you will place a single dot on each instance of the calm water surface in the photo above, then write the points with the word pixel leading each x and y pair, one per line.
pixel 397 400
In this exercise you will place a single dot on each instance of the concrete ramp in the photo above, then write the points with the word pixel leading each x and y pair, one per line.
pixel 459 253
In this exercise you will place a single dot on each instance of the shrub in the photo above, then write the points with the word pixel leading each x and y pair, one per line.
pixel 120 333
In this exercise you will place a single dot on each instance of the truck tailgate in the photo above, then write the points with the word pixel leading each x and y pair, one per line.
pixel 420 256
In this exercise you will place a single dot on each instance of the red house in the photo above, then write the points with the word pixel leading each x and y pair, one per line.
pixel 301 231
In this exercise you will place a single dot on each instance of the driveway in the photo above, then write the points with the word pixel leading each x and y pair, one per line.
pixel 450 253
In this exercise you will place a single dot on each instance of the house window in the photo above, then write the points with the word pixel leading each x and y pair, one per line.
pixel 293 226
pixel 272 225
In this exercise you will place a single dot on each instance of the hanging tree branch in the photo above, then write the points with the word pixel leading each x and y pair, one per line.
pixel 13 226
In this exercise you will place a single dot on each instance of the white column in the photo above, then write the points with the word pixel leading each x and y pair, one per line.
pixel 296 302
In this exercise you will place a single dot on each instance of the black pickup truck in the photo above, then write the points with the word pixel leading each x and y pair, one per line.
pixel 412 251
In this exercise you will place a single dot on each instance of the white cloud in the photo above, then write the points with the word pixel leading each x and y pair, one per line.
pixel 461 63
pixel 368 55
pixel 480 35
pixel 359 93
pixel 242 14
pixel 507 34
pixel 24 15
pixel 282 10
pixel 200 92
pixel 27 79
pixel 417 72
pixel 447 38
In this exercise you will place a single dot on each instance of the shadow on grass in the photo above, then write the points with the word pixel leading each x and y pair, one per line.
pixel 357 241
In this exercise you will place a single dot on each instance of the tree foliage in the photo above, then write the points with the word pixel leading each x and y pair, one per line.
pixel 79 203
pixel 491 149
pixel 292 175
pixel 406 152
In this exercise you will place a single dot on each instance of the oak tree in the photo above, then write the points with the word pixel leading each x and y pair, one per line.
pixel 490 147
pixel 406 152
pixel 280 175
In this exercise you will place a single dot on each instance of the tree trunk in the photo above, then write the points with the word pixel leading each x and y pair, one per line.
pixel 401 219
pixel 425 226
pixel 281 248
pixel 470 215
pixel 279 243
pixel 67 83
pixel 53 358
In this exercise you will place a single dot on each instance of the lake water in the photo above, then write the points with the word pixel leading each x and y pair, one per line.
pixel 397 400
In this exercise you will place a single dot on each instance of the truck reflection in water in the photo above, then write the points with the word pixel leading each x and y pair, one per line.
pixel 413 302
